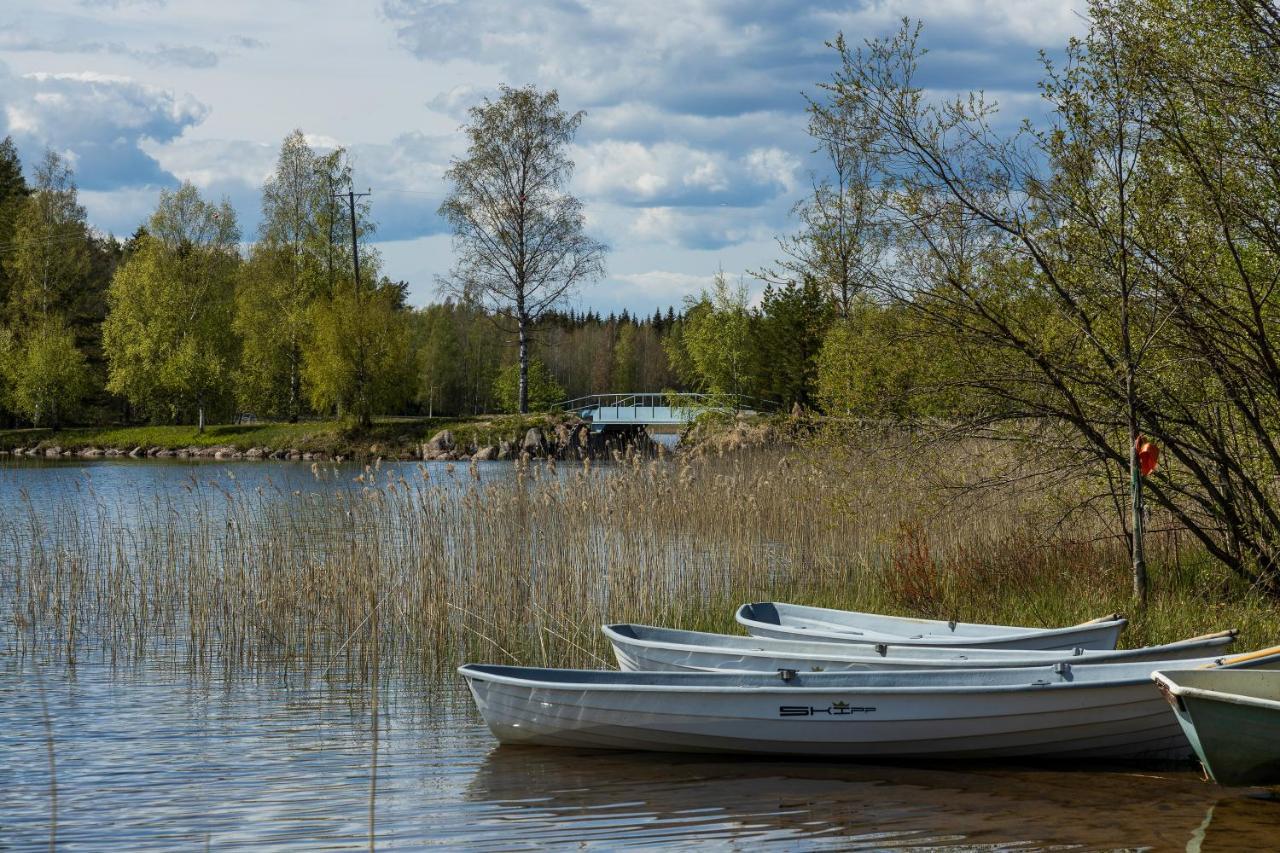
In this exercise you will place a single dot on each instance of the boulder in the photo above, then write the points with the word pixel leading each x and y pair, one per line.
pixel 485 454
pixel 91 452
pixel 506 450
pixel 53 451
pixel 254 453
pixel 136 452
pixel 165 454
pixel 534 442
pixel 439 445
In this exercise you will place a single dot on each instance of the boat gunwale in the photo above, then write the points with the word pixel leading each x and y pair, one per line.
pixel 475 672
pixel 1171 687
pixel 943 640
pixel 1086 656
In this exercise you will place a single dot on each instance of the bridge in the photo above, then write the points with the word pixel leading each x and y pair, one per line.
pixel 624 412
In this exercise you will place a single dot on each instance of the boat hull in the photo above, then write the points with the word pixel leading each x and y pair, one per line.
pixel 641 648
pixel 937 715
pixel 1232 723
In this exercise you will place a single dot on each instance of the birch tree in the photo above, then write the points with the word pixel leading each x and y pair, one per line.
pixel 517 231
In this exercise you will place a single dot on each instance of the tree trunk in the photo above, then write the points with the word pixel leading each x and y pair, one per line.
pixel 295 386
pixel 200 417
pixel 524 364
pixel 1135 488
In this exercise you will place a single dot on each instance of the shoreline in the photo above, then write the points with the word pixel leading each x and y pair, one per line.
pixel 498 438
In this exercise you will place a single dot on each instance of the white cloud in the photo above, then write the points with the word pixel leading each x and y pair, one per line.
pixel 100 121
pixel 659 286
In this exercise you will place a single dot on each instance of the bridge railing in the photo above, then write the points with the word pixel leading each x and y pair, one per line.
pixel 672 399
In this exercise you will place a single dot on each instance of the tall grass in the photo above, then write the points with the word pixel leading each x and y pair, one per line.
pixel 422 568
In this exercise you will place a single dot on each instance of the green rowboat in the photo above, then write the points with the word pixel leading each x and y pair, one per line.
pixel 1232 718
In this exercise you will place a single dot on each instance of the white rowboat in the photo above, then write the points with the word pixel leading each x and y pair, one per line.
pixel 1061 711
pixel 797 622
pixel 646 648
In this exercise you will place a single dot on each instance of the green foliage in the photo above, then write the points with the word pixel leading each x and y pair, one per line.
pixel 45 375
pixel 171 303
pixel 543 390
pixel 789 335
pixel 13 194
pixel 871 366
pixel 302 251
pixel 357 361
pixel 459 354
pixel 713 348
pixel 50 259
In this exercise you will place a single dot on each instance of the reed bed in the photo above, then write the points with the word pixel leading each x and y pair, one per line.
pixel 417 569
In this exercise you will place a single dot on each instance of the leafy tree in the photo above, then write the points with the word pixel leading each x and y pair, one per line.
pixel 13 195
pixel 289 268
pixel 47 267
pixel 842 237
pixel 357 361
pixel 166 336
pixel 1111 270
pixel 542 390
pixel 50 259
pixel 625 371
pixel 440 362
pixel 793 322
pixel 882 362
pixel 714 345
pixel 45 374
pixel 518 233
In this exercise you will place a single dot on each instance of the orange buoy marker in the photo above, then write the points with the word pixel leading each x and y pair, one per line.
pixel 1148 454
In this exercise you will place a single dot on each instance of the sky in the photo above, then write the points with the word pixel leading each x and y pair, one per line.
pixel 690 159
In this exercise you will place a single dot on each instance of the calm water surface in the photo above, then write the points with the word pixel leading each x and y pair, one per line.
pixel 147 757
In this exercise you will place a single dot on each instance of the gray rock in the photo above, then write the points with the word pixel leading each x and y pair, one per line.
pixel 255 453
pixel 534 442
pixel 136 452
pixel 506 450
pixel 485 454
pixel 53 451
pixel 438 445
pixel 91 452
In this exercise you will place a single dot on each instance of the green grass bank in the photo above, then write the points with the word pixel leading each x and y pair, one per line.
pixel 387 438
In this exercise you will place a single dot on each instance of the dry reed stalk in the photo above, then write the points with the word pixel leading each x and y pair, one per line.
pixel 448 567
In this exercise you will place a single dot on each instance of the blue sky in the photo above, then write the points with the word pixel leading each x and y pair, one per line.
pixel 691 156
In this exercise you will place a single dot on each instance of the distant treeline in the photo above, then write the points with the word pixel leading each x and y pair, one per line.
pixel 179 324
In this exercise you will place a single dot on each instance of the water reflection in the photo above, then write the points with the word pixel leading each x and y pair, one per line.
pixel 644 799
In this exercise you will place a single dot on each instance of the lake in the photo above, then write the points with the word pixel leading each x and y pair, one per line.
pixel 149 756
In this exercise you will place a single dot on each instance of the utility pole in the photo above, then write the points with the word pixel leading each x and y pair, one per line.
pixel 352 195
